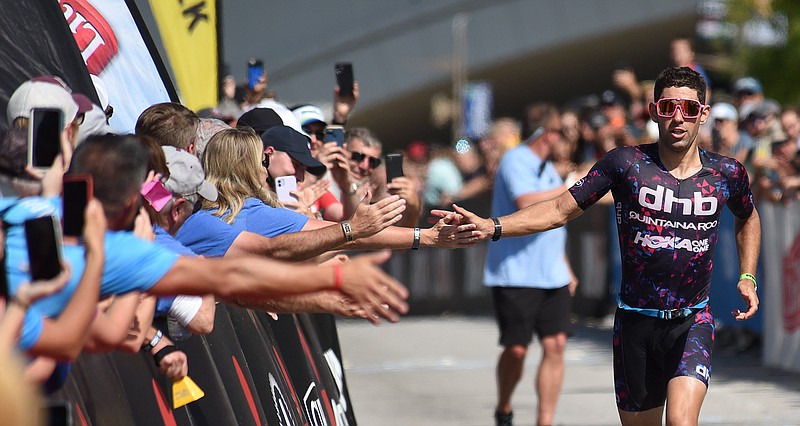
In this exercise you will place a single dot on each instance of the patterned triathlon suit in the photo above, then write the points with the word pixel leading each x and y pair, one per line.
pixel 667 233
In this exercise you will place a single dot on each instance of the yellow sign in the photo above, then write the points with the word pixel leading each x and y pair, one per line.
pixel 189 31
pixel 185 391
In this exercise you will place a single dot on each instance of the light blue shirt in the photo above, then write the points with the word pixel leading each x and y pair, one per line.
pixel 206 235
pixel 259 218
pixel 131 264
pixel 535 260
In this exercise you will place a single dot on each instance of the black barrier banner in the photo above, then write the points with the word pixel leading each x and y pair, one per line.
pixel 215 365
pixel 270 375
pixel 254 370
pixel 313 392
pixel 321 335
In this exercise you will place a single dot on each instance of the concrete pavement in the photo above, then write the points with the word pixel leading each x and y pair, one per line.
pixel 427 371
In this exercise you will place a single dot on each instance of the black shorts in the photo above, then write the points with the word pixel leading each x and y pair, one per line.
pixel 521 310
pixel 649 352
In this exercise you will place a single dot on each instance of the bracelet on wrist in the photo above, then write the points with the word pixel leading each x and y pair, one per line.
pixel 498 229
pixel 337 277
pixel 147 347
pixel 415 244
pixel 163 352
pixel 751 277
pixel 348 231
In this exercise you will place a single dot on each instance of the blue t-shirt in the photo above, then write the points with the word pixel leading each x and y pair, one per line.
pixel 259 218
pixel 533 260
pixel 206 235
pixel 131 264
pixel 164 239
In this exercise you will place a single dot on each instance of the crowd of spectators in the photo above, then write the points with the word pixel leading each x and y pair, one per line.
pixel 183 215
pixel 206 186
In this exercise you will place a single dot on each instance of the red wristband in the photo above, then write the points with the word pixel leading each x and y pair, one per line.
pixel 337 277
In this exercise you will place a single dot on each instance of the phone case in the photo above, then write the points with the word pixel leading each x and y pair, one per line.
pixel 344 78
pixel 43 237
pixel 284 185
pixel 156 194
pixel 335 134
pixel 76 193
pixel 394 166
pixel 44 136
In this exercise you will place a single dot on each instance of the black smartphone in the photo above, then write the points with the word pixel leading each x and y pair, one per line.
pixel 77 191
pixel 43 236
pixel 59 414
pixel 255 69
pixel 334 134
pixel 44 136
pixel 394 166
pixel 344 78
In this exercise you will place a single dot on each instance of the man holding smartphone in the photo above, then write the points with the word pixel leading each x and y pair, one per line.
pixel 354 171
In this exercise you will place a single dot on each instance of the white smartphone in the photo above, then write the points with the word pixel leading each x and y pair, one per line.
pixel 284 185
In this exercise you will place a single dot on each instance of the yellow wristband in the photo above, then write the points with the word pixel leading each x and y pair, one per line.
pixel 751 277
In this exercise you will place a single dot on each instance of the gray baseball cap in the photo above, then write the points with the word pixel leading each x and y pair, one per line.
pixel 186 175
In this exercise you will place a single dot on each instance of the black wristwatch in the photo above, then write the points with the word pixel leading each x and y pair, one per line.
pixel 498 229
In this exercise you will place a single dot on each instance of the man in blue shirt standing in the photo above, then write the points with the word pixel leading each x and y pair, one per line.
pixel 530 277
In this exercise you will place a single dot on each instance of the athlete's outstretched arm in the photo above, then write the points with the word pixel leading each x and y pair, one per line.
pixel 535 218
pixel 748 245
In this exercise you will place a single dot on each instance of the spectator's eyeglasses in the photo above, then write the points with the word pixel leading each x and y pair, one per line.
pixel 358 157
pixel 265 162
pixel 690 108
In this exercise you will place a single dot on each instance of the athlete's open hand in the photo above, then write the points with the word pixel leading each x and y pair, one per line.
pixel 748 291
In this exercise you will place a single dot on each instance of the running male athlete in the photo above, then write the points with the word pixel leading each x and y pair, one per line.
pixel 668 198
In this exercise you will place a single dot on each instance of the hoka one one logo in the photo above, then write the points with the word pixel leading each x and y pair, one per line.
pixel 663 199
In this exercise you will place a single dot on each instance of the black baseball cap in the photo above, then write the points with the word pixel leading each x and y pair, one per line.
pixel 259 119
pixel 284 138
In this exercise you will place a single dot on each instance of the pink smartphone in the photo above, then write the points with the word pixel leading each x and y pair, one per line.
pixel 156 194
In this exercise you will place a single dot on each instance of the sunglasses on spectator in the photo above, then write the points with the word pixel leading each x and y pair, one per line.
pixel 690 108
pixel 265 162
pixel 320 134
pixel 358 157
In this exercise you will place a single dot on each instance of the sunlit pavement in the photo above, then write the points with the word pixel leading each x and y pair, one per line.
pixel 440 371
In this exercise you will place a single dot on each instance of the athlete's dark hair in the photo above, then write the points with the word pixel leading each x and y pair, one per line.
pixel 117 164
pixel 680 77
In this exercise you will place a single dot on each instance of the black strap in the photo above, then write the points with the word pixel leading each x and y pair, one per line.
pixel 166 350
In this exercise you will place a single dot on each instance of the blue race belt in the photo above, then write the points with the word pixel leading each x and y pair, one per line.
pixel 666 314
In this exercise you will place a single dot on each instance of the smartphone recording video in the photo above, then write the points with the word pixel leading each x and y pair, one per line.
pixel 394 166
pixel 77 191
pixel 44 136
pixel 334 134
pixel 43 236
pixel 284 186
pixel 255 69
pixel 344 78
